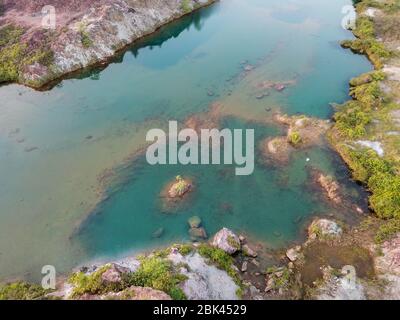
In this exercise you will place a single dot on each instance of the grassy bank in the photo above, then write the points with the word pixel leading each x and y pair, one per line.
pixel 16 55
pixel 369 118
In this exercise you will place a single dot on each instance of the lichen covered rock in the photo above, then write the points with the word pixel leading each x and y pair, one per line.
pixel 179 188
pixel 324 228
pixel 226 240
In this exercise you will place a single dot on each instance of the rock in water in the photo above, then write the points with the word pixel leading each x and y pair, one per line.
pixel 194 222
pixel 179 188
pixel 331 187
pixel 244 266
pixel 197 234
pixel 226 240
pixel 158 233
pixel 280 87
pixel 321 228
pixel 249 251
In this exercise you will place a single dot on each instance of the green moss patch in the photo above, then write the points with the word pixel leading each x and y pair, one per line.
pixel 21 291
pixel 159 274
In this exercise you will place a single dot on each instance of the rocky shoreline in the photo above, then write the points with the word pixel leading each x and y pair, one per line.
pixel 86 33
pixel 335 262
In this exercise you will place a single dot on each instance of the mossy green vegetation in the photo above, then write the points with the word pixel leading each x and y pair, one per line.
pixel 352 120
pixel 93 283
pixel 368 116
pixel 382 180
pixel 180 185
pixel 10 35
pixel 159 274
pixel 366 42
pixel 281 276
pixel 221 259
pixel 294 138
pixel 185 6
pixel 14 55
pixel 185 249
pixel 21 291
pixel 85 39
pixel 387 229
pixel 233 243
pixel 154 272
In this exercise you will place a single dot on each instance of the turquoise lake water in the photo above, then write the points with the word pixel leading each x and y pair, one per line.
pixel 56 145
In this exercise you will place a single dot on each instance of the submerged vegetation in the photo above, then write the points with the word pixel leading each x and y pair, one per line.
pixel 357 119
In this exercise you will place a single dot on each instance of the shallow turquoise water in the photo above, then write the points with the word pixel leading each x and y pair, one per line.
pixel 272 205
pixel 169 76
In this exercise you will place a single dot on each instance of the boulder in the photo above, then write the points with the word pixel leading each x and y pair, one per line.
pixel 179 188
pixel 203 280
pixel 293 254
pixel 226 240
pixel 114 274
pixel 322 228
pixel 249 251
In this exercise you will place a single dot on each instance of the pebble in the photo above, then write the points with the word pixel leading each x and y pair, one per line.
pixel 244 266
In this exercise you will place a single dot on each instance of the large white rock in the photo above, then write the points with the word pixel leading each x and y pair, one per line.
pixel 204 281
pixel 226 240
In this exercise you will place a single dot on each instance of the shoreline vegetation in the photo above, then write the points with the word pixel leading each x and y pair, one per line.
pixel 366 134
pixel 366 128
pixel 98 30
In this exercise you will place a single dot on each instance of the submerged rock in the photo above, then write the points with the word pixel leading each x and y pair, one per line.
pixel 158 233
pixel 279 87
pixel 197 234
pixel 330 186
pixel 226 240
pixel 194 222
pixel 248 68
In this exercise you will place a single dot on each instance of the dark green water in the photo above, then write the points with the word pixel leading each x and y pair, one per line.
pixel 96 121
